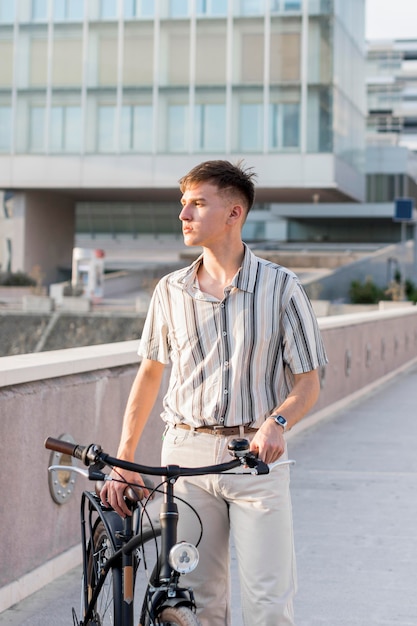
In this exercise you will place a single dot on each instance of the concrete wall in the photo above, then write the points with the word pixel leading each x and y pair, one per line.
pixel 22 333
pixel 82 392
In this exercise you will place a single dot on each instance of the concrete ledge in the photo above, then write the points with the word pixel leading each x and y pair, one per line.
pixel 351 319
pixel 24 368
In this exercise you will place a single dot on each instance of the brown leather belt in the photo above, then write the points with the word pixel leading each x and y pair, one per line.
pixel 218 430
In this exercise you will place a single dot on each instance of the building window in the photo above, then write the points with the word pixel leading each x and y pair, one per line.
pixel 319 120
pixel 211 7
pixel 106 127
pixel 177 134
pixel 65 129
pixel 251 127
pixel 284 121
pixel 211 37
pixel 129 9
pixel 138 8
pixel 67 59
pixel 39 9
pixel 68 10
pixel 250 7
pixel 285 5
pixel 5 128
pixel 38 60
pixel 174 66
pixel 108 9
pixel 7 11
pixel 6 62
pixel 138 44
pixel 294 5
pixel 178 8
pixel 136 128
pixel 285 51
pixel 209 127
pixel 37 129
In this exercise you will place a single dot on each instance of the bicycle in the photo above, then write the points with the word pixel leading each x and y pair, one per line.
pixel 113 547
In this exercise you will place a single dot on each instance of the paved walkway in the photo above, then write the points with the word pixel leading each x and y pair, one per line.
pixel 355 516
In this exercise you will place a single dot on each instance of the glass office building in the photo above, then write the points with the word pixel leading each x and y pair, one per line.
pixel 127 95
pixel 178 77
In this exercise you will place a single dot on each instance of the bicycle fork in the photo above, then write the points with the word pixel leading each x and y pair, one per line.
pixel 174 559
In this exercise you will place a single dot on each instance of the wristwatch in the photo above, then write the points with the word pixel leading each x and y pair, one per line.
pixel 279 419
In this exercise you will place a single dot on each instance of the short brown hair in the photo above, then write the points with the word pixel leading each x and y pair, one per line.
pixel 224 175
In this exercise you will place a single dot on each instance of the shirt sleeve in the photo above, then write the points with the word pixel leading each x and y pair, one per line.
pixel 154 342
pixel 302 342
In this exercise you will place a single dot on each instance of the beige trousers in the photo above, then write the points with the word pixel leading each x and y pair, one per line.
pixel 256 510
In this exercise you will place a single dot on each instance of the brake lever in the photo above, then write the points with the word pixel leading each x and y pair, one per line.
pixel 91 473
pixel 69 468
pixel 253 462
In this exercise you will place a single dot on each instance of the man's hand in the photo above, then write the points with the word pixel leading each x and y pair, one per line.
pixel 112 493
pixel 269 442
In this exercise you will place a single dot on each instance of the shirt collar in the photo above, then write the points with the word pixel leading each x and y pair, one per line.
pixel 244 280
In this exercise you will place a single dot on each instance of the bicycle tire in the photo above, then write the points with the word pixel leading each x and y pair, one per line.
pixel 177 616
pixel 108 609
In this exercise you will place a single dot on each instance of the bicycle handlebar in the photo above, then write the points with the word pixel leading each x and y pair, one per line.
pixel 86 454
pixel 93 454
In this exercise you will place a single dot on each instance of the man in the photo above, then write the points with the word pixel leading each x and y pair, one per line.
pixel 245 348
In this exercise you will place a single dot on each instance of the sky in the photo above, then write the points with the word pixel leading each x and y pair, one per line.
pixel 391 19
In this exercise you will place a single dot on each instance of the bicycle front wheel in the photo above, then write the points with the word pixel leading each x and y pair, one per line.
pixel 108 608
pixel 178 616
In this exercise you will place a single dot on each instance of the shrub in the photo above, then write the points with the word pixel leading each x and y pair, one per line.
pixel 411 291
pixel 16 279
pixel 365 293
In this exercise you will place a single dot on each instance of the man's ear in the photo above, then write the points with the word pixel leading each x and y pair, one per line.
pixel 235 213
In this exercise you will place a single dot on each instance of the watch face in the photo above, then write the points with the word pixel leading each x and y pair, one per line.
pixel 281 420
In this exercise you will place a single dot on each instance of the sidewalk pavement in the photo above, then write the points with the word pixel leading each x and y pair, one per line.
pixel 355 512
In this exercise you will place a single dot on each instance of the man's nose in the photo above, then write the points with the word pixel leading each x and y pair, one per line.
pixel 184 215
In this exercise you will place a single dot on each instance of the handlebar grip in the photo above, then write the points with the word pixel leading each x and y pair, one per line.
pixel 65 447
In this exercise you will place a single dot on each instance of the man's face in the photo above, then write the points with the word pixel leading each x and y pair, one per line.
pixel 205 215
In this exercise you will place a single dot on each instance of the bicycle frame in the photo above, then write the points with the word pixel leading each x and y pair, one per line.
pixel 164 588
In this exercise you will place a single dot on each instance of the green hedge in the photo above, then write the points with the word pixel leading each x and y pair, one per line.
pixel 16 279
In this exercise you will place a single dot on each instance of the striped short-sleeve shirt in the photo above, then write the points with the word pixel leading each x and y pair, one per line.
pixel 233 360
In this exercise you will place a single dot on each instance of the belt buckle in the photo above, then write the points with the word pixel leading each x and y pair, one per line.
pixel 218 430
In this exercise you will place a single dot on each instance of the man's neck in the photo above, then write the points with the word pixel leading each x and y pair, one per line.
pixel 218 269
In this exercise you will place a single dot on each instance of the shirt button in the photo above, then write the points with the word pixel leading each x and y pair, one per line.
pixel 221 420
pixel 225 391
pixel 224 333
pixel 226 363
pixel 222 305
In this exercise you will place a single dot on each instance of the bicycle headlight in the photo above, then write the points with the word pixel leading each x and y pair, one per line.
pixel 183 557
